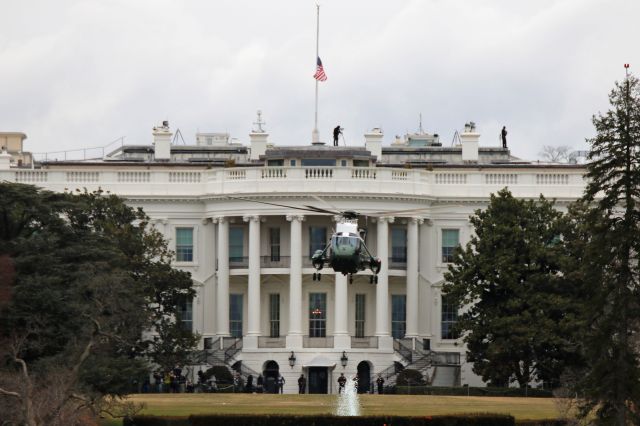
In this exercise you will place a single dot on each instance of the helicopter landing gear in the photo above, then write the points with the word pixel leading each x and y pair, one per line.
pixel 373 279
pixel 350 278
pixel 316 276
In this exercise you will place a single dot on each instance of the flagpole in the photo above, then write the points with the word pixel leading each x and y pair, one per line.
pixel 315 136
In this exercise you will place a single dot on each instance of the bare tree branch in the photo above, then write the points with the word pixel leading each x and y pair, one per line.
pixel 9 393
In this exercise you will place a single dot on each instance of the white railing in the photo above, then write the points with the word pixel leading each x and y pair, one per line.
pixel 90 177
pixel 552 179
pixel 185 177
pixel 451 178
pixel 134 177
pixel 501 178
pixel 126 181
pixel 30 176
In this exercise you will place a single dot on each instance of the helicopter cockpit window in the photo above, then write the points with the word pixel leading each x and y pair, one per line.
pixel 353 242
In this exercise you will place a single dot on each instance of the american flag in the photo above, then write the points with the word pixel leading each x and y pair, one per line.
pixel 320 75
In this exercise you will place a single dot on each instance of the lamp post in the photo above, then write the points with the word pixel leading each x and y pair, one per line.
pixel 292 360
pixel 344 359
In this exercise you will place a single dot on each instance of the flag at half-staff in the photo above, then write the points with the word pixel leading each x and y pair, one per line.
pixel 320 75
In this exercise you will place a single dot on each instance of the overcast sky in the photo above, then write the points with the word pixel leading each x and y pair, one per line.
pixel 77 74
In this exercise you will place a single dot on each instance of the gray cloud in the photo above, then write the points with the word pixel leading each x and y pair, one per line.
pixel 83 73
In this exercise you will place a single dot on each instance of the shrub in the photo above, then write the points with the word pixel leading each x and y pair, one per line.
pixel 327 420
pixel 464 391
pixel 222 373
pixel 410 376
pixel 156 421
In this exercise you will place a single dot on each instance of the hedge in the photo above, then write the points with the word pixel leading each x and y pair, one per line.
pixel 156 421
pixel 470 391
pixel 328 420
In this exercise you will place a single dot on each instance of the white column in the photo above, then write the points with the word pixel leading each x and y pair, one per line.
pixel 412 277
pixel 341 339
pixel 253 302
pixel 382 288
pixel 207 262
pixel 294 338
pixel 223 277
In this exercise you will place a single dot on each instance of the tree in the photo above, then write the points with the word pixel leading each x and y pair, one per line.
pixel 609 270
pixel 556 154
pixel 515 315
pixel 89 277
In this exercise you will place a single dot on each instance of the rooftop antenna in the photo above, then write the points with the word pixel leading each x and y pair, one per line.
pixel 420 125
pixel 258 123
pixel 175 138
pixel 456 139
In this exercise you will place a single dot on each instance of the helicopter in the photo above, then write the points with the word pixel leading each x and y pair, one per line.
pixel 346 251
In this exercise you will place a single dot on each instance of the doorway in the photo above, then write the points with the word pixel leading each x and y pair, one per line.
pixel 318 380
pixel 364 377
pixel 270 375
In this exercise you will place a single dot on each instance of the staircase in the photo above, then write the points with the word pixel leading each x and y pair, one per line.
pixel 440 368
pixel 224 354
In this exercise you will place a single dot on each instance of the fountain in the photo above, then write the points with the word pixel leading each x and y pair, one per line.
pixel 348 402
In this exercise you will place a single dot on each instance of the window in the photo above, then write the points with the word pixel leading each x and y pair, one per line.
pixel 274 315
pixel 450 240
pixel 184 244
pixel 274 243
pixel 317 239
pixel 449 318
pixel 343 163
pixel 186 314
pixel 398 315
pixel 317 162
pixel 317 314
pixel 235 315
pixel 360 314
pixel 360 163
pixel 275 163
pixel 293 163
pixel 398 244
pixel 236 244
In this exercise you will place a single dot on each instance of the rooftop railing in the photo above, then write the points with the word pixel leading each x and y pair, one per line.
pixel 139 179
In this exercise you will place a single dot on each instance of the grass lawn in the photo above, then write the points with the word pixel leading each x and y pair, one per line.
pixel 404 405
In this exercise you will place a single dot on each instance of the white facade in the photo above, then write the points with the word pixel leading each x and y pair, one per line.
pixel 259 255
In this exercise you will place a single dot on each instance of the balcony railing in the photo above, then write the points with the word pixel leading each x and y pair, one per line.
pixel 271 342
pixel 397 262
pixel 238 262
pixel 275 261
pixel 558 182
pixel 317 342
pixel 364 342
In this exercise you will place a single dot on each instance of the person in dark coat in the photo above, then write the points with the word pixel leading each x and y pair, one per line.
pixel 380 383
pixel 342 381
pixel 260 384
pixel 336 134
pixel 302 384
pixel 503 135
pixel 249 386
pixel 280 383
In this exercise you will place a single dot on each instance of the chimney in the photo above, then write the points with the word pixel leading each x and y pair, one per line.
pixel 373 142
pixel 5 159
pixel 258 139
pixel 470 140
pixel 162 142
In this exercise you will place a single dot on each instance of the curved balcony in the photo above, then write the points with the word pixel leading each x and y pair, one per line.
pixel 140 180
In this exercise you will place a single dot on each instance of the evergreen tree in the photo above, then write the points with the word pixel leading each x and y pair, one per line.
pixel 516 309
pixel 89 277
pixel 608 271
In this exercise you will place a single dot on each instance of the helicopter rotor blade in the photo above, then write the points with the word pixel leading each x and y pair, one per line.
pixel 306 208
pixel 325 202
pixel 319 210
pixel 408 211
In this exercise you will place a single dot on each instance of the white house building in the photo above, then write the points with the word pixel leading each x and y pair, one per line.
pixel 257 308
